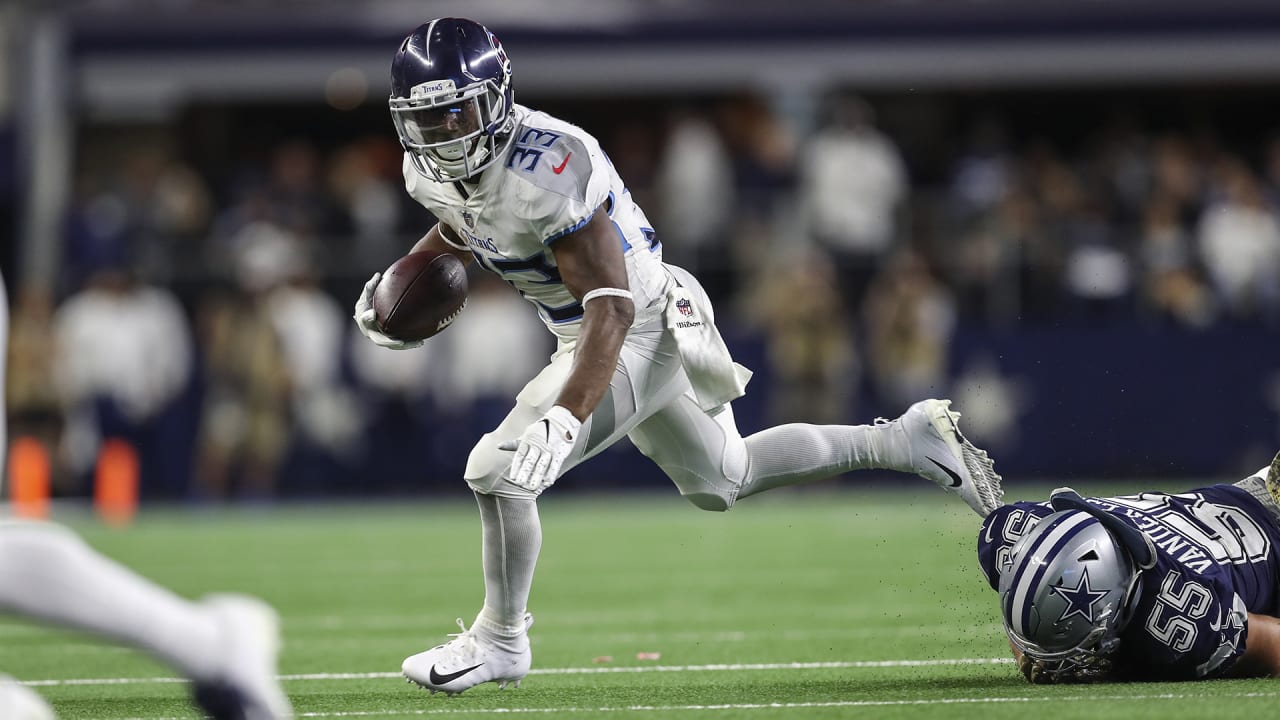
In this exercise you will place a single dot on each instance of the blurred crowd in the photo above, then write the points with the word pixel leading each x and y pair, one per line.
pixel 204 312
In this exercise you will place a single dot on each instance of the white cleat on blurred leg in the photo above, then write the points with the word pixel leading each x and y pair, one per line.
pixel 938 451
pixel 472 657
pixel 19 702
pixel 245 687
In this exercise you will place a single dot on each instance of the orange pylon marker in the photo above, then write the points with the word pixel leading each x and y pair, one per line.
pixel 29 474
pixel 115 484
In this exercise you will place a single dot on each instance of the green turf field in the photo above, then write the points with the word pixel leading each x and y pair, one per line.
pixel 826 604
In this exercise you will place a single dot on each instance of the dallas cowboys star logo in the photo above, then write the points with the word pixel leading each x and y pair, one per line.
pixel 1080 599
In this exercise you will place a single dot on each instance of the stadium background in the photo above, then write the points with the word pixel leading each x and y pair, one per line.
pixel 1063 215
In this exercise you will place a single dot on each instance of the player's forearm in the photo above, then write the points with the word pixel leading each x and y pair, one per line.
pixel 1261 656
pixel 604 327
pixel 443 239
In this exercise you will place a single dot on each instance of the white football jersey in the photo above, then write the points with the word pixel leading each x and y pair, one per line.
pixel 549 183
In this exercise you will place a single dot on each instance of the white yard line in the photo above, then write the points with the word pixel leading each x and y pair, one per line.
pixel 768 706
pixel 601 670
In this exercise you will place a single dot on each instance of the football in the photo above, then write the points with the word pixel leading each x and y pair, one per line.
pixel 420 294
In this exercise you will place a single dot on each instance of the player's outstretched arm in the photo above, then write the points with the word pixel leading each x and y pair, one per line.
pixel 592 268
pixel 1261 656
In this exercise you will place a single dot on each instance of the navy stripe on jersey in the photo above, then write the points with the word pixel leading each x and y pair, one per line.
pixel 534 263
pixel 564 313
pixel 651 237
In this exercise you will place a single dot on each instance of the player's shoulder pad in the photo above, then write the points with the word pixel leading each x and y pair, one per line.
pixel 554 156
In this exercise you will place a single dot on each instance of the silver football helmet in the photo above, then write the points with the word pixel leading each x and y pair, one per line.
pixel 1069 587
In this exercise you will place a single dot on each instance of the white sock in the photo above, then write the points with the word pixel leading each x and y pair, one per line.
pixel 512 539
pixel 798 453
pixel 50 574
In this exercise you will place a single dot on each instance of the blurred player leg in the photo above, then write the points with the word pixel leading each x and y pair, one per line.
pixel 226 644
pixel 19 702
pixel 4 407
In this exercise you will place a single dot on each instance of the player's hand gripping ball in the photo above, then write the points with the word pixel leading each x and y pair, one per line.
pixel 417 297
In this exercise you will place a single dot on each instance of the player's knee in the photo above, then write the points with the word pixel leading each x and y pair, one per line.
pixel 714 494
pixel 718 493
pixel 487 468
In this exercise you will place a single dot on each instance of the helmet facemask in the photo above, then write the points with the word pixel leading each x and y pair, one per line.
pixel 453 134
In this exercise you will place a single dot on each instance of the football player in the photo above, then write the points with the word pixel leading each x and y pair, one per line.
pixel 226 644
pixel 535 200
pixel 1153 586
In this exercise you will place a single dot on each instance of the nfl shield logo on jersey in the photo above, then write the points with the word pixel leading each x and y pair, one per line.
pixel 469 219
pixel 685 307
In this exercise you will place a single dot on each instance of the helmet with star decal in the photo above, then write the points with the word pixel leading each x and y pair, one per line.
pixel 1068 587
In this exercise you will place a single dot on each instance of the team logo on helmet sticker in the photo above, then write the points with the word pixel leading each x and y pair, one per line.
pixel 1080 599
pixel 432 87
pixel 685 307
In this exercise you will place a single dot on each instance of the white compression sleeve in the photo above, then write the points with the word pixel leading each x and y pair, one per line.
pixel 797 453
pixel 512 538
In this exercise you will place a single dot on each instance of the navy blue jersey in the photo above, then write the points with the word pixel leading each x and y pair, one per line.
pixel 1216 560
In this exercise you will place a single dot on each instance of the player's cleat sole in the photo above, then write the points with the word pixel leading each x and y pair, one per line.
pixel 941 453
pixel 1273 479
pixel 469 659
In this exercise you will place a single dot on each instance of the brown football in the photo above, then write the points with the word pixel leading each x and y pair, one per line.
pixel 420 294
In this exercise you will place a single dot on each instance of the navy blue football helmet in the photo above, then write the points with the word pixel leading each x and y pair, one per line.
pixel 451 98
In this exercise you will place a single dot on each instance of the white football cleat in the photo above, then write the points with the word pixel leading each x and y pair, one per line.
pixel 19 702
pixel 472 657
pixel 939 452
pixel 245 686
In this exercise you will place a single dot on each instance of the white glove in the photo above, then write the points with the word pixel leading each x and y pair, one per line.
pixel 367 320
pixel 542 449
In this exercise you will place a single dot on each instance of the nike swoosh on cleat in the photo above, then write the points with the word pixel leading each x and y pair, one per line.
pixel 438 679
pixel 955 479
